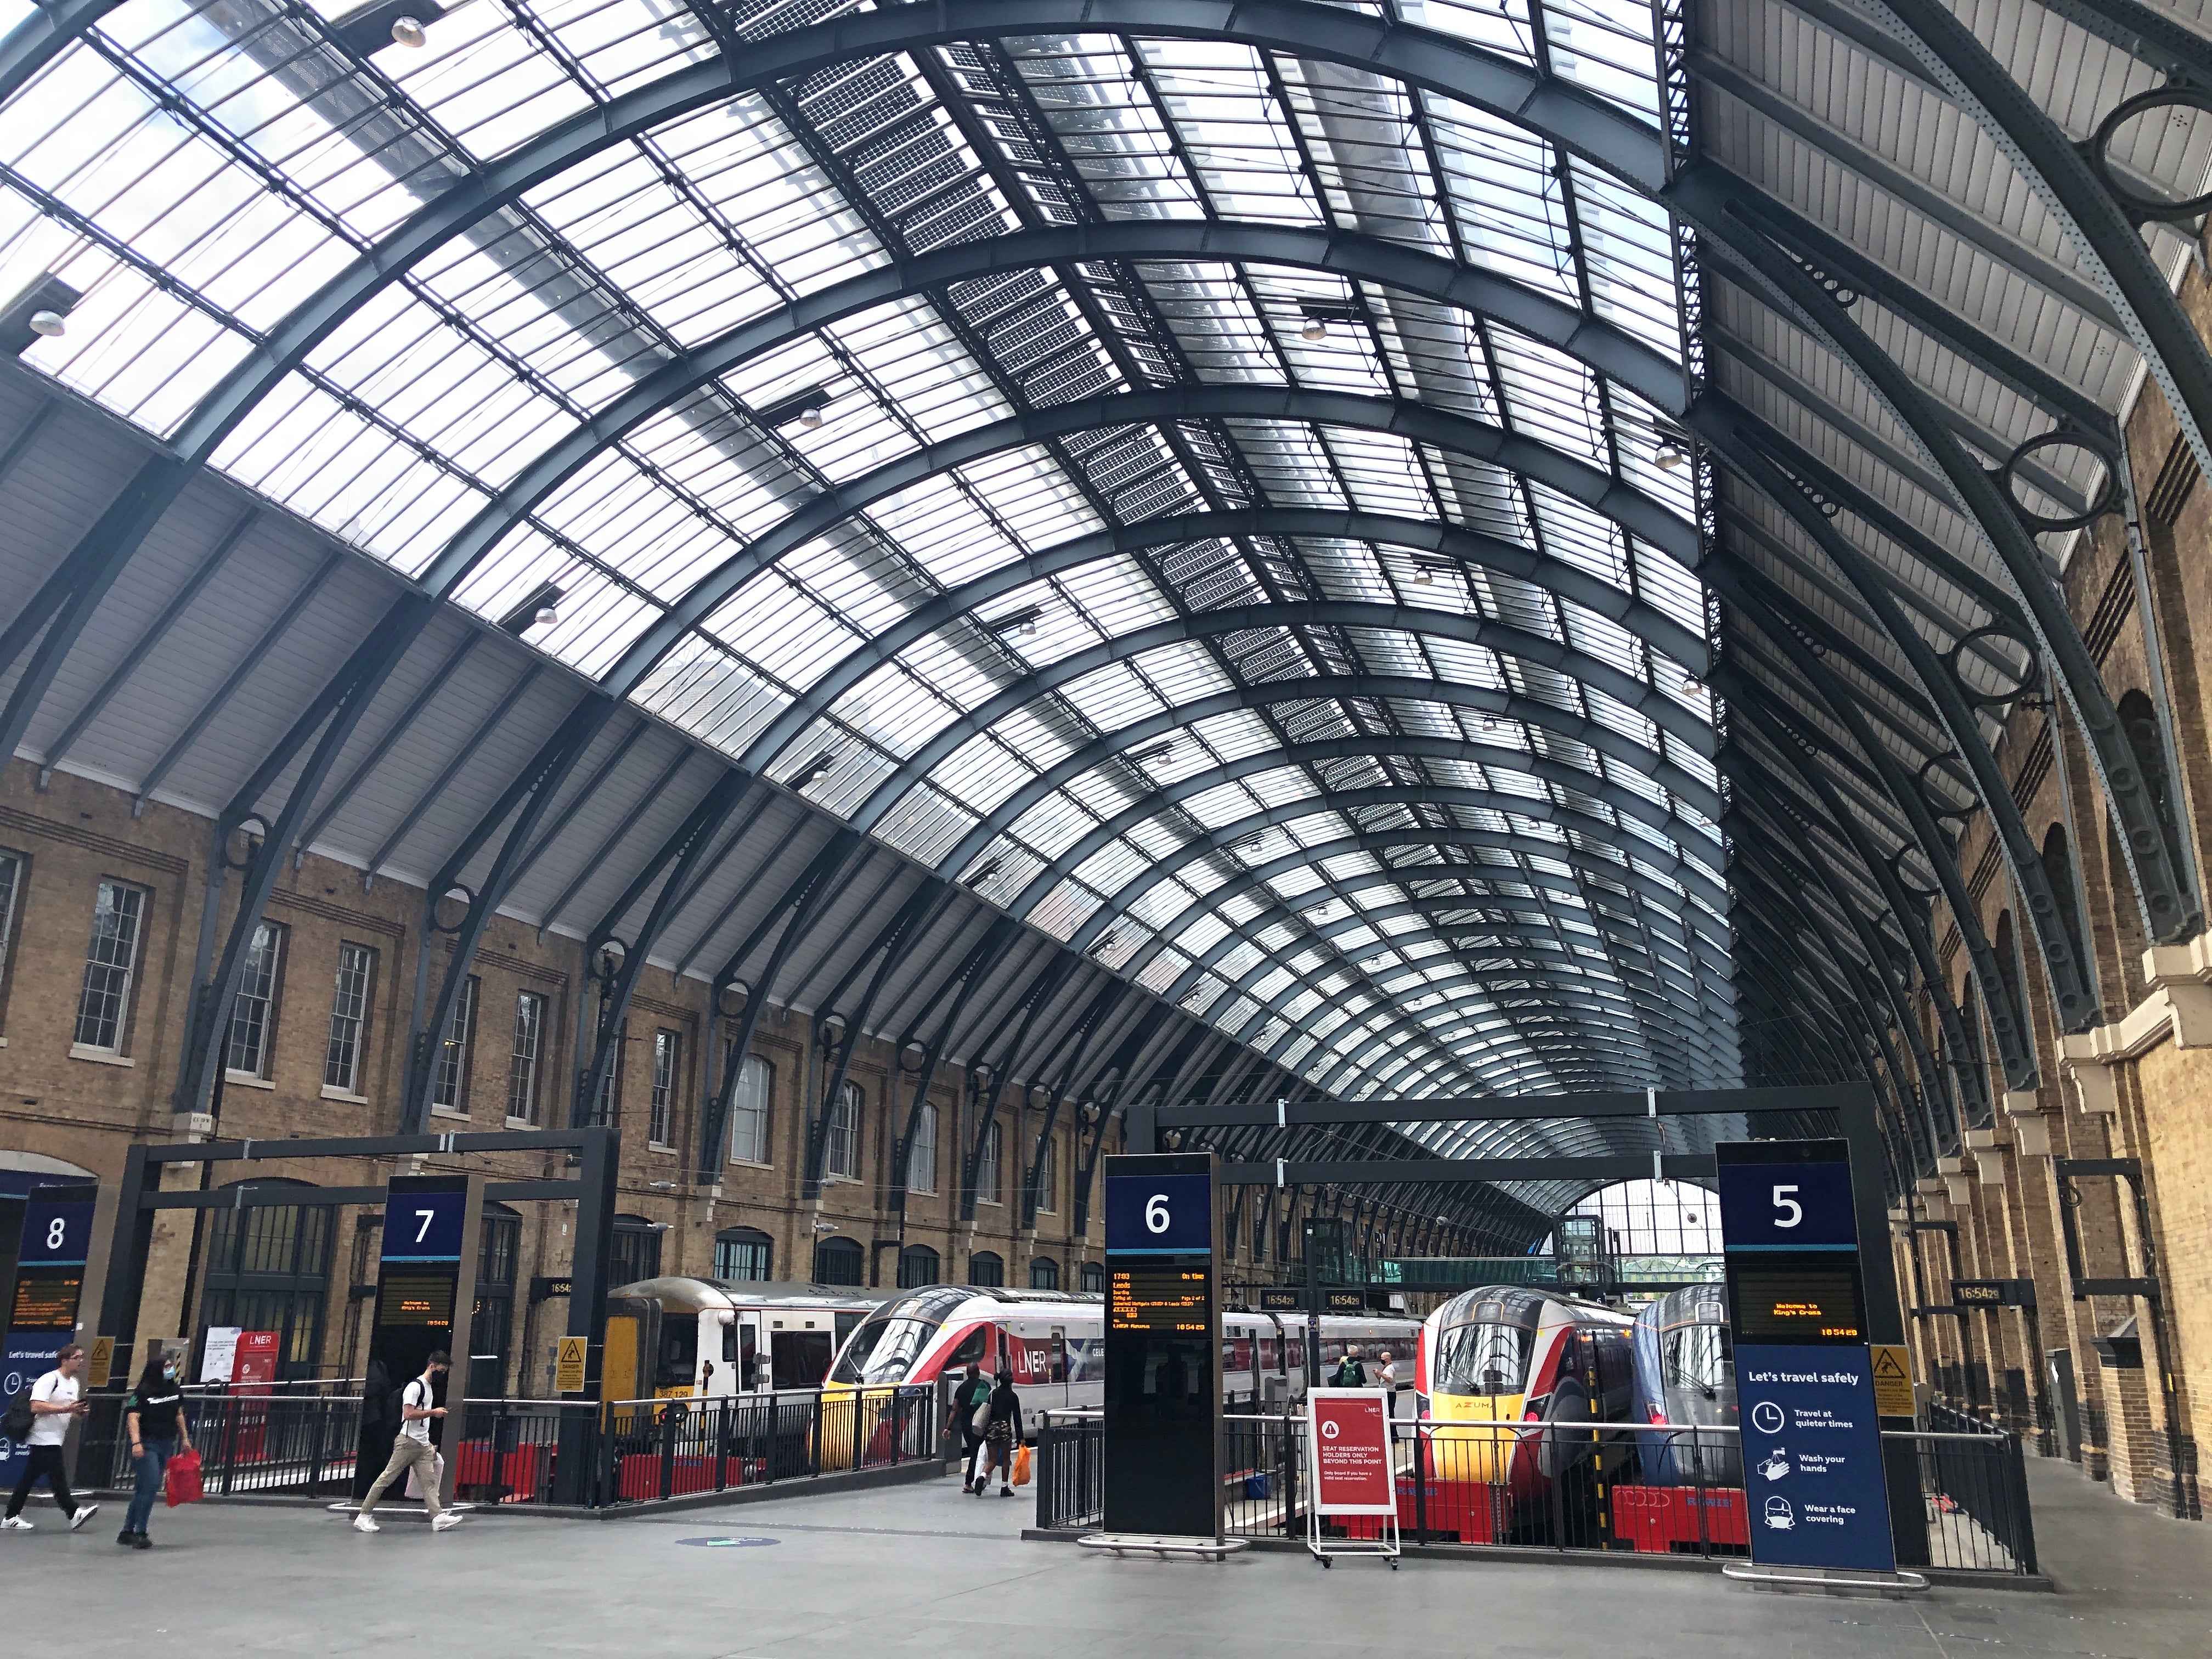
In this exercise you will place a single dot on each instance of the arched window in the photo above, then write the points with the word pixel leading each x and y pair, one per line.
pixel 917 1268
pixel 838 1261
pixel 1044 1274
pixel 986 1269
pixel 922 1153
pixel 1093 1276
pixel 2058 872
pixel 841 1159
pixel 637 1251
pixel 744 1254
pixel 987 1167
pixel 269 1270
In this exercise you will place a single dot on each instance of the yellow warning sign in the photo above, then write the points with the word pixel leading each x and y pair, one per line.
pixel 1893 1380
pixel 568 1366
pixel 103 1362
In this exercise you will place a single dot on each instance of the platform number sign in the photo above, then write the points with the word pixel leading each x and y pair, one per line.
pixel 1805 1378
pixel 1164 1449
pixel 42 1305
pixel 424 1226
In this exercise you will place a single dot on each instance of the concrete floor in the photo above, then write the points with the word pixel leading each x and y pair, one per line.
pixel 924 1571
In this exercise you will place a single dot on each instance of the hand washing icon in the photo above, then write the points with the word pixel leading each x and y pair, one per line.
pixel 1776 1466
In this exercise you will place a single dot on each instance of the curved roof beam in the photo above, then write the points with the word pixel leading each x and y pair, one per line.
pixel 1687 880
pixel 1577 120
pixel 1698 845
pixel 1645 621
pixel 1686 959
pixel 1506 705
pixel 1601 492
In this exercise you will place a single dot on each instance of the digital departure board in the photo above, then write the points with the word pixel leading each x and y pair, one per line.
pixel 46 1300
pixel 1137 1299
pixel 1799 1304
pixel 425 1299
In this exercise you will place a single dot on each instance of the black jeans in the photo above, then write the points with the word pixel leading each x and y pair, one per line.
pixel 43 1460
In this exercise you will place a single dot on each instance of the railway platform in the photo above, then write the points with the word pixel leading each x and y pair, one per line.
pixel 926 1568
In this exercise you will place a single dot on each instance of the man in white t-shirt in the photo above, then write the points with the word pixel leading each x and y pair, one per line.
pixel 54 1402
pixel 411 1450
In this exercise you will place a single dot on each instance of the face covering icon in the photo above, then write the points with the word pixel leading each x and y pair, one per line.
pixel 1778 1516
pixel 1776 1466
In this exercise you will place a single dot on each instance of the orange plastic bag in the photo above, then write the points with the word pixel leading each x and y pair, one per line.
pixel 1021 1465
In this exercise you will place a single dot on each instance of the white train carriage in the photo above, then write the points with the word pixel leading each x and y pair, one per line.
pixel 1052 1342
pixel 711 1339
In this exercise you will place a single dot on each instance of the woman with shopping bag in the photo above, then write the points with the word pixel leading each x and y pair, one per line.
pixel 154 1419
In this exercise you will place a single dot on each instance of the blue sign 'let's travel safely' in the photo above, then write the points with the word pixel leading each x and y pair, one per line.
pixel 1812 1458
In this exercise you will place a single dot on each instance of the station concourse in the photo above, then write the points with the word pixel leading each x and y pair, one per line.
pixel 674 672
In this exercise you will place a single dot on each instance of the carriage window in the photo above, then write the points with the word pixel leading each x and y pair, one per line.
pixel 679 1351
pixel 1483 1359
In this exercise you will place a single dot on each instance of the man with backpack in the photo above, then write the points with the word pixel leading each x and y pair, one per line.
pixel 1349 1373
pixel 411 1450
pixel 39 1420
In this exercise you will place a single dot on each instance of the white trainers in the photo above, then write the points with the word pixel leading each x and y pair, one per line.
pixel 84 1513
pixel 362 1523
pixel 447 1520
pixel 16 1523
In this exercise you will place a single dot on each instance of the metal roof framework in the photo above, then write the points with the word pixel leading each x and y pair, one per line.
pixel 1268 541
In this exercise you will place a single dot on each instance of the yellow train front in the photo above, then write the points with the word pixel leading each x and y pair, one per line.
pixel 1506 1374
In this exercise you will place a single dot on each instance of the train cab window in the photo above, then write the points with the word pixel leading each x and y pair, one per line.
pixel 1692 1356
pixel 970 1352
pixel 679 1351
pixel 1482 1360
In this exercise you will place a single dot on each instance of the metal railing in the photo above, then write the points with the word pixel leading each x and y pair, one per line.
pixel 509 1452
pixel 1655 1489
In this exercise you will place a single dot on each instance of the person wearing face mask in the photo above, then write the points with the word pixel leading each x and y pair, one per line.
pixel 154 1419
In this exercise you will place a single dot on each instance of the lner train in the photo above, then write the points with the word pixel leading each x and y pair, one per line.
pixel 1686 1380
pixel 1506 1353
pixel 711 1339
pixel 1052 1343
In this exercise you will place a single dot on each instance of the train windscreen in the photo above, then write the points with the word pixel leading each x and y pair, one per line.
pixel 1482 1360
pixel 882 1351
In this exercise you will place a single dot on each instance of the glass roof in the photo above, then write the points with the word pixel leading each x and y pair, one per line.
pixel 1406 815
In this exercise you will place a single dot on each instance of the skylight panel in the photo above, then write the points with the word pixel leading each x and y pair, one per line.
pixel 1628 250
pixel 483 80
pixel 1504 196
pixel 1550 396
pixel 622 43
pixel 924 825
pixel 588 350
pixel 1359 129
pixel 1233 134
pixel 1606 47
pixel 701 689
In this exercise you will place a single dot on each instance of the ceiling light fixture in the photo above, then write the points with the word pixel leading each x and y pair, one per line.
pixel 1425 576
pixel 802 408
pixel 1669 457
pixel 407 32
pixel 1315 332
pixel 52 323
pixel 1320 314
pixel 819 767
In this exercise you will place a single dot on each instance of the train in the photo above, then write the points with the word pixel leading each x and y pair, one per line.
pixel 678 1338
pixel 1517 1354
pixel 710 1339
pixel 1686 1380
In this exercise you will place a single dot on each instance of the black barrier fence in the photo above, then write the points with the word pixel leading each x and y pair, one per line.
pixel 1658 1490
pixel 300 1443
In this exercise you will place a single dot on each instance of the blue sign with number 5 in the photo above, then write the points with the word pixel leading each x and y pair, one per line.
pixel 1787 1206
pixel 1159 1215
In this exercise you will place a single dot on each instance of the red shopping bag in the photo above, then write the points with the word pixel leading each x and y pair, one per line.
pixel 181 1480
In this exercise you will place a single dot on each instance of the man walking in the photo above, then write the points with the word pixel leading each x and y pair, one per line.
pixel 53 1402
pixel 972 1392
pixel 411 1450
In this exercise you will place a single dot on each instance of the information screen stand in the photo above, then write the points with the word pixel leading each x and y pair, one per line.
pixel 1166 1455
pixel 52 1242
pixel 1813 1465
pixel 425 1293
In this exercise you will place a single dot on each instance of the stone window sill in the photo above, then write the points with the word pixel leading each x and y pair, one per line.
pixel 330 1093
pixel 245 1080
pixel 752 1164
pixel 99 1056
pixel 447 1111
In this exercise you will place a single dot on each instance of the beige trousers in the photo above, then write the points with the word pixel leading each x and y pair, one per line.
pixel 407 1453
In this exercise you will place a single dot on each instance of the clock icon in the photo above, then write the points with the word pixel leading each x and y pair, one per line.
pixel 1766 1417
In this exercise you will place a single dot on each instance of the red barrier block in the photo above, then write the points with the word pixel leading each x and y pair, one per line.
pixel 1658 1520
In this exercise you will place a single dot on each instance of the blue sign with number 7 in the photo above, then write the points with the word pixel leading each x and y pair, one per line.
pixel 424 1226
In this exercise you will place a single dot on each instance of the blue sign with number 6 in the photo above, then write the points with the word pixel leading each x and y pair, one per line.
pixel 1159 1215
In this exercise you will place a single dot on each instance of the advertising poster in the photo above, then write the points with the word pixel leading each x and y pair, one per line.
pixel 218 1354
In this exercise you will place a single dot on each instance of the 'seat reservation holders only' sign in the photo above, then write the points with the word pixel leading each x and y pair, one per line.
pixel 1350 1438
